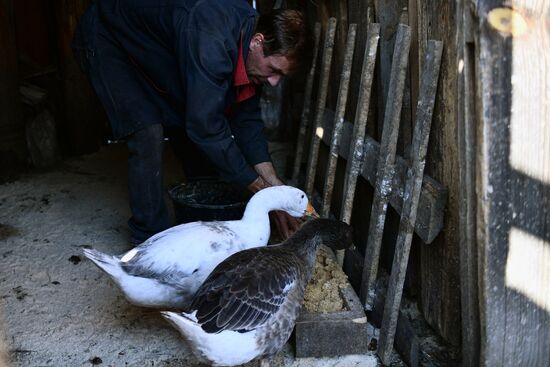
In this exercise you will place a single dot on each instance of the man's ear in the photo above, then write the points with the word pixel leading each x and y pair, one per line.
pixel 257 40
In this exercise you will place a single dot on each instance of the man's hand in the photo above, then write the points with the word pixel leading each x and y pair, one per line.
pixel 258 184
pixel 285 223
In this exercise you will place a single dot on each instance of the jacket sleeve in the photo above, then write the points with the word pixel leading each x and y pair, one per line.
pixel 206 64
pixel 248 129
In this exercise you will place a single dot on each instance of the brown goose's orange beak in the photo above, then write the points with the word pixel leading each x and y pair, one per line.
pixel 310 211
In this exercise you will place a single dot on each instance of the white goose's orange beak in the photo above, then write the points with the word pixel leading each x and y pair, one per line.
pixel 310 211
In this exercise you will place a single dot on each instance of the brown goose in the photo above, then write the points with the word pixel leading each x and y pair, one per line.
pixel 248 305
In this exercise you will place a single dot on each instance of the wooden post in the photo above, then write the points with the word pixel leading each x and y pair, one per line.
pixel 513 182
pixel 385 169
pixel 317 133
pixel 466 121
pixel 338 121
pixel 389 15
pixel 428 88
pixel 306 113
pixel 356 152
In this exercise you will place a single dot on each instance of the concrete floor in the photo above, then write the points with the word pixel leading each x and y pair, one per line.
pixel 60 310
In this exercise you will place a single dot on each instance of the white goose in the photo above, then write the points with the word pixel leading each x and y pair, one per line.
pixel 167 269
pixel 248 305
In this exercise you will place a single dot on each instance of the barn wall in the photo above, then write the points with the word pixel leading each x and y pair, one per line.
pixel 513 181
pixel 434 269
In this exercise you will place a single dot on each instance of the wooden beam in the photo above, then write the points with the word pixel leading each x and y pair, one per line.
pixel 469 298
pixel 428 88
pixel 306 109
pixel 438 265
pixel 316 134
pixel 384 172
pixel 355 140
pixel 338 122
pixel 407 342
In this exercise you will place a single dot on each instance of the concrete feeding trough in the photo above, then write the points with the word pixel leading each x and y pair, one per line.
pixel 330 334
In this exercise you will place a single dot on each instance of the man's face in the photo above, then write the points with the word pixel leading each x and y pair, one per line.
pixel 261 69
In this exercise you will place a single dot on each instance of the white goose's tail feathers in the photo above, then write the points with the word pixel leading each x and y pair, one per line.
pixel 183 322
pixel 108 263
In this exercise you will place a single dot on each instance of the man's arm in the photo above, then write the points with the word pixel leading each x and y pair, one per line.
pixel 207 67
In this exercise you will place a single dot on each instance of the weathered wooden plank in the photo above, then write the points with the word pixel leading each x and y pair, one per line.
pixel 355 140
pixel 407 343
pixel 386 161
pixel 355 156
pixel 469 300
pixel 358 13
pixel 428 88
pixel 388 15
pixel 439 272
pixel 514 182
pixel 306 109
pixel 431 210
pixel 317 134
pixel 338 122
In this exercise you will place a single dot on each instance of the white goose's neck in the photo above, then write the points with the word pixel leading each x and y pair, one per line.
pixel 262 203
pixel 255 221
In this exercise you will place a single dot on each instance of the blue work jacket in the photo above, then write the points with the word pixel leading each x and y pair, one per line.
pixel 173 62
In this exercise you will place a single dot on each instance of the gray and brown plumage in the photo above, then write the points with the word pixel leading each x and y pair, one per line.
pixel 248 305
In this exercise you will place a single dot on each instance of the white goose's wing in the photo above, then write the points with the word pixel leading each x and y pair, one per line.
pixel 184 251
pixel 245 290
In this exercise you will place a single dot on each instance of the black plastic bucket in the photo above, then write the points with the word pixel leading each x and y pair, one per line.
pixel 208 199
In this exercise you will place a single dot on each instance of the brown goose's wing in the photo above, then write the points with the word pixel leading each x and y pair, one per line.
pixel 245 290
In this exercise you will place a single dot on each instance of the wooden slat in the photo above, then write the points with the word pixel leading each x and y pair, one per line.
pixel 355 156
pixel 385 163
pixel 469 298
pixel 388 15
pixel 355 142
pixel 407 343
pixel 431 210
pixel 338 122
pixel 306 109
pixel 424 110
pixel 316 134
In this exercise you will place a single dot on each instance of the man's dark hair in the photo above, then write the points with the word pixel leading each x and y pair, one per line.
pixel 286 33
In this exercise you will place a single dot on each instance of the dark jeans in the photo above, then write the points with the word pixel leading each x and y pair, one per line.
pixel 145 187
pixel 145 184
